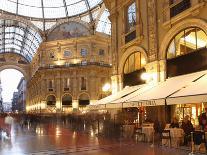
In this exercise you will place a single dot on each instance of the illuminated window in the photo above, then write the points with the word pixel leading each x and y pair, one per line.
pixel 131 17
pixel 134 62
pixel 186 41
pixel 83 52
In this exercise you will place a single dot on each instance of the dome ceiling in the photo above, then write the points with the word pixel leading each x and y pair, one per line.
pixel 49 9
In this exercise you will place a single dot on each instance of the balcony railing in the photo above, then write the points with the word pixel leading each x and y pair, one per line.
pixel 179 7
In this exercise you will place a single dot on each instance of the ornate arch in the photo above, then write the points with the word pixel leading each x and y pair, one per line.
pixel 20 69
pixel 83 94
pixel 128 52
pixel 176 29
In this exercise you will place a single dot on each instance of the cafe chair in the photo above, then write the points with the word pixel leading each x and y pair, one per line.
pixel 166 137
pixel 139 135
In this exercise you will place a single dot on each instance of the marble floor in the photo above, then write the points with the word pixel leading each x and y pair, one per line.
pixel 56 138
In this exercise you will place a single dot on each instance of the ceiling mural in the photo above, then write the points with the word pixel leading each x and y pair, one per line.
pixel 68 30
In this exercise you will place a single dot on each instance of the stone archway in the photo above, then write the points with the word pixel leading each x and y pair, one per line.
pixel 176 29
pixel 15 61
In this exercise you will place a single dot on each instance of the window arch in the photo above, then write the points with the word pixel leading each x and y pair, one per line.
pixel 186 41
pixel 134 62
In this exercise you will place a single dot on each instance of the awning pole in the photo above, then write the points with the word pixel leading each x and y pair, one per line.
pixel 165 111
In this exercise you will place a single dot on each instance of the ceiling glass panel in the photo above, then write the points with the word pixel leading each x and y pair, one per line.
pixel 77 8
pixel 54 12
pixel 93 3
pixel 29 11
pixel 51 8
pixel 9 6
pixel 104 24
pixel 19 38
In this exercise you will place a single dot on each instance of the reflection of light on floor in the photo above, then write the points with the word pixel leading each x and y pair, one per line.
pixel 74 135
pixel 58 132
pixel 92 134
pixel 39 131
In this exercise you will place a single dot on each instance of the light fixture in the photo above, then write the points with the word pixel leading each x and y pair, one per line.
pixel 106 87
pixel 145 76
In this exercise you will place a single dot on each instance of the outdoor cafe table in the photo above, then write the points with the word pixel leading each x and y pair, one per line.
pixel 128 131
pixel 148 131
pixel 177 135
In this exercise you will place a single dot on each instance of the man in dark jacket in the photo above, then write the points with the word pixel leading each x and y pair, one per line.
pixel 187 127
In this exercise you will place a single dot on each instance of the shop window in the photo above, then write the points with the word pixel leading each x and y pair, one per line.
pixel 83 52
pixel 134 62
pixel 101 52
pixel 83 83
pixel 67 100
pixel 186 41
pixel 131 17
pixel 178 6
pixel 67 54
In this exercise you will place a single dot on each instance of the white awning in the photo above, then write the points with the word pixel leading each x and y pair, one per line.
pixel 158 94
pixel 141 90
pixel 106 102
pixel 196 92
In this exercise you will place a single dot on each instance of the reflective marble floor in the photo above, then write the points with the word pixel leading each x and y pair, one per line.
pixel 56 138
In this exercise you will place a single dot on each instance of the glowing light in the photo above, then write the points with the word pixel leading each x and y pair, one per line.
pixel 145 76
pixel 106 87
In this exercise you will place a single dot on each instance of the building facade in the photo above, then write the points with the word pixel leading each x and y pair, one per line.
pixel 162 38
pixel 69 74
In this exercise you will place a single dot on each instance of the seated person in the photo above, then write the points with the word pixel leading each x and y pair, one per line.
pixel 187 127
pixel 174 123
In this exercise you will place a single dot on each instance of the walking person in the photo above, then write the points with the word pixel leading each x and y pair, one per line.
pixel 8 122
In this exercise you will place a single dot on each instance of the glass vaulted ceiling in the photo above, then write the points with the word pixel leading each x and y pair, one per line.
pixel 45 13
pixel 19 38
pixel 49 8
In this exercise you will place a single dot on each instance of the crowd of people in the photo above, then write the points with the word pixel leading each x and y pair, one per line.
pixel 188 128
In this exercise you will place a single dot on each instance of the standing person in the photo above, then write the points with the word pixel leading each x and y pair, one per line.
pixel 203 121
pixel 187 127
pixel 9 122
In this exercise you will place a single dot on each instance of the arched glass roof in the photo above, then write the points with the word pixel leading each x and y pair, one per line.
pixel 19 38
pixel 49 9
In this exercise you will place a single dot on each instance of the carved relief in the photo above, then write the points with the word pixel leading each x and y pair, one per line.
pixel 152 29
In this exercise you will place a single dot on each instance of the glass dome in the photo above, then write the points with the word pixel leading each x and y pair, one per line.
pixel 49 9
